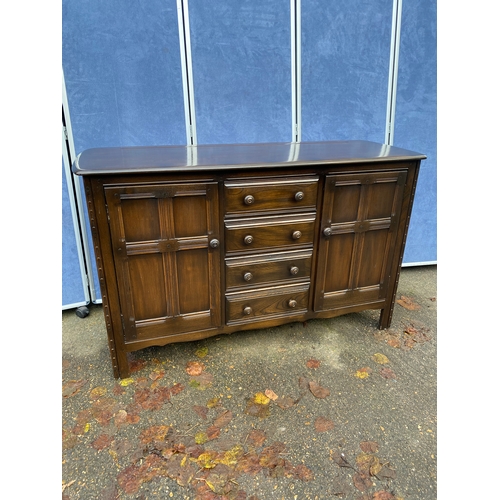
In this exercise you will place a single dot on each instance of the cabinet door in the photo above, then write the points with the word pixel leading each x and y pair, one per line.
pixel 359 225
pixel 167 257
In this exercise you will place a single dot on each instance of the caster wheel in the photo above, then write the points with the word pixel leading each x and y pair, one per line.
pixel 82 312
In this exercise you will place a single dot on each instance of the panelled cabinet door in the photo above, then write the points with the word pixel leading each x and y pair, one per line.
pixel 359 225
pixel 165 240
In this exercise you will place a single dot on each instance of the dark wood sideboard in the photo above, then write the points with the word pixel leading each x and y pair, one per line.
pixel 196 241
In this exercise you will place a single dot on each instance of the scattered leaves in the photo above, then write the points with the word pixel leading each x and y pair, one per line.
pixel 261 399
pixel 102 442
pixel 97 392
pixel 201 411
pixel 257 437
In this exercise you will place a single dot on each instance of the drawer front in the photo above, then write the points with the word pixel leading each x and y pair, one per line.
pixel 267 268
pixel 266 303
pixel 269 232
pixel 270 194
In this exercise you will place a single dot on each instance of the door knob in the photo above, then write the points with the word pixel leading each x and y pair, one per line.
pixel 214 243
pixel 248 239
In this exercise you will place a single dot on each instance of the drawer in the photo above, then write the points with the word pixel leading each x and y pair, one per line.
pixel 266 303
pixel 267 268
pixel 268 232
pixel 270 194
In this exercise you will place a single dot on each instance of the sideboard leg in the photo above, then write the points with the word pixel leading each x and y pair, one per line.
pixel 121 366
pixel 385 318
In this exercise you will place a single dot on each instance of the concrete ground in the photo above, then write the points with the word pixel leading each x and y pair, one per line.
pixel 323 410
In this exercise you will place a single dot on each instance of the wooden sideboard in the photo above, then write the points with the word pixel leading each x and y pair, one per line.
pixel 196 241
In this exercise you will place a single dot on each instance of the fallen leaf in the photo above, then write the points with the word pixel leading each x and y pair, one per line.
pixel 408 303
pixel 323 424
pixel 223 419
pixel 257 437
pixel 201 438
pixel 381 359
pixel 387 373
pixel 285 402
pixel 97 392
pixel 201 411
pixel 202 381
pixel 303 473
pixel 195 368
pixel 363 372
pixel 369 446
pixel 72 387
pixel 271 394
pixel 126 381
pixel 317 390
pixel 212 403
pixel 362 481
pixel 313 363
pixel 201 352
pixel 213 432
pixel 154 433
pixel 261 399
pixel 103 441
pixel 383 495
pixel 157 374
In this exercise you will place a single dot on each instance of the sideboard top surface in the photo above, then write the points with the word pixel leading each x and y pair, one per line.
pixel 150 159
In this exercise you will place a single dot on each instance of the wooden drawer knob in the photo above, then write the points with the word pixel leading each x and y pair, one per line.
pixel 327 231
pixel 292 303
pixel 248 276
pixel 248 239
pixel 249 199
pixel 214 243
pixel 299 195
pixel 296 235
pixel 247 310
pixel 294 270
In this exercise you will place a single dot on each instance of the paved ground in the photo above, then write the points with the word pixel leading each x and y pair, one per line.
pixel 323 410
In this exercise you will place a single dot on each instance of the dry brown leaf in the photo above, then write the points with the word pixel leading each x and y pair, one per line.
pixel 271 394
pixel 318 391
pixel 362 481
pixel 369 446
pixel 195 368
pixel 313 363
pixel 201 411
pixel 257 437
pixel 323 424
pixel 223 419
pixel 387 373
pixel 72 387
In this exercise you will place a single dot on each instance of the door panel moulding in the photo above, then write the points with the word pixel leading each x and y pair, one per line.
pixel 187 71
pixel 397 9
pixel 76 185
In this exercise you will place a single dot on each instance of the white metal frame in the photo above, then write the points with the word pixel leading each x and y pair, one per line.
pixel 80 203
pixel 74 216
pixel 295 34
pixel 187 71
pixel 397 8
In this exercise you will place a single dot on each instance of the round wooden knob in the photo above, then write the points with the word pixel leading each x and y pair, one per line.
pixel 294 270
pixel 296 235
pixel 214 243
pixel 299 195
pixel 292 303
pixel 249 199
pixel 247 310
pixel 248 239
pixel 248 276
